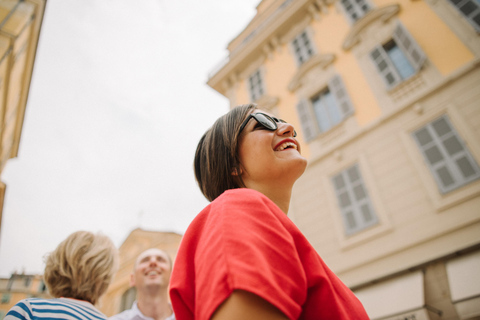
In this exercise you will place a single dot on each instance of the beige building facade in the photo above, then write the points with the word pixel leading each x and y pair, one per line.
pixel 20 22
pixel 120 295
pixel 385 96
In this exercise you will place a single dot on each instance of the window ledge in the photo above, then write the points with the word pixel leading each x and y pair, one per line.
pixel 408 87
pixel 333 133
pixel 321 60
pixel 383 14
pixel 368 234
pixel 267 102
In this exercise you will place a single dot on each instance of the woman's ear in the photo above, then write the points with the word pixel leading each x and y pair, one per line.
pixel 237 172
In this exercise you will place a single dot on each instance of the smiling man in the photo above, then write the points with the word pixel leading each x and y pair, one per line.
pixel 150 276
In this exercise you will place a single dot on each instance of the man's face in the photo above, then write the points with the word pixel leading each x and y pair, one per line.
pixel 152 268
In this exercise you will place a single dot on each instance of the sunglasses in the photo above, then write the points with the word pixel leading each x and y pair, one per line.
pixel 265 120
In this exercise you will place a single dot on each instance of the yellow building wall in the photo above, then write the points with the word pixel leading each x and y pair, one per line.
pixel 14 298
pixel 443 48
pixel 19 34
pixel 329 34
pixel 241 92
pixel 279 68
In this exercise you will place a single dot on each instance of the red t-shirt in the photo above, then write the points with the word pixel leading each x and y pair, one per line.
pixel 242 240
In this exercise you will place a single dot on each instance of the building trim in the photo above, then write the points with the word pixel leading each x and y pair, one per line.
pixel 384 14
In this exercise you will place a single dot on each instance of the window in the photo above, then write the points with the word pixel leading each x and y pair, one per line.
pixel 42 287
pixel 6 298
pixel 355 9
pixel 353 200
pixel 325 110
pixel 128 298
pixel 302 47
pixel 255 85
pixel 399 58
pixel 470 9
pixel 446 155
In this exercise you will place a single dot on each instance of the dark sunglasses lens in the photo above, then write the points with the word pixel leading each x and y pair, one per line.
pixel 267 122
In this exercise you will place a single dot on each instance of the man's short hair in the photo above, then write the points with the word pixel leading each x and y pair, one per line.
pixel 166 253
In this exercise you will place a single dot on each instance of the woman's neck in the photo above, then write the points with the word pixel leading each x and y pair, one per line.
pixel 279 195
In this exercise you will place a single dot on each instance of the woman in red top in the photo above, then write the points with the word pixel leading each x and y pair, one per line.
pixel 242 257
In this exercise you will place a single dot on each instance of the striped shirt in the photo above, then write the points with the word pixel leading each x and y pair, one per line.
pixel 61 308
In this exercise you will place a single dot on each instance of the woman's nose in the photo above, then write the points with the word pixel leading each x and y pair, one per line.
pixel 286 129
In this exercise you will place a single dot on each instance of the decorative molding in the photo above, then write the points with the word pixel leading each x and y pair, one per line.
pixel 301 25
pixel 230 81
pixel 338 155
pixel 320 60
pixel 225 85
pixel 408 87
pixel 418 108
pixel 275 43
pixel 313 11
pixel 268 51
pixel 267 102
pixel 383 14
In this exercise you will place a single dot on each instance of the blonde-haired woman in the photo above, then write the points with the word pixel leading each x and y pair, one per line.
pixel 77 274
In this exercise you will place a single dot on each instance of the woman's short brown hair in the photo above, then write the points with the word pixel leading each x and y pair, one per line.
pixel 216 157
pixel 81 267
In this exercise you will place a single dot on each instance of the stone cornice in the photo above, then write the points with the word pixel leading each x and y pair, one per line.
pixel 267 102
pixel 321 60
pixel 382 14
pixel 240 56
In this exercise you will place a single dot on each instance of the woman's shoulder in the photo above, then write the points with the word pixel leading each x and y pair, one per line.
pixel 243 195
pixel 244 202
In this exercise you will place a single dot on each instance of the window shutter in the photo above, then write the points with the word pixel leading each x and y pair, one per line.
pixel 408 45
pixel 446 155
pixel 355 9
pixel 302 47
pixel 309 127
pixel 339 91
pixel 353 199
pixel 255 84
pixel 384 66
pixel 470 9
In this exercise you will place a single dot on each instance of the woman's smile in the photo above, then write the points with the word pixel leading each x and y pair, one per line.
pixel 286 144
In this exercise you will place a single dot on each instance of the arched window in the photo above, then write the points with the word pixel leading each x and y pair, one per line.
pixel 128 298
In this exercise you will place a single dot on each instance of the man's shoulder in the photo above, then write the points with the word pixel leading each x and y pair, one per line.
pixel 124 315
pixel 131 314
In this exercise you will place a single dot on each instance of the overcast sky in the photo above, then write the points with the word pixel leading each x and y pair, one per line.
pixel 117 104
